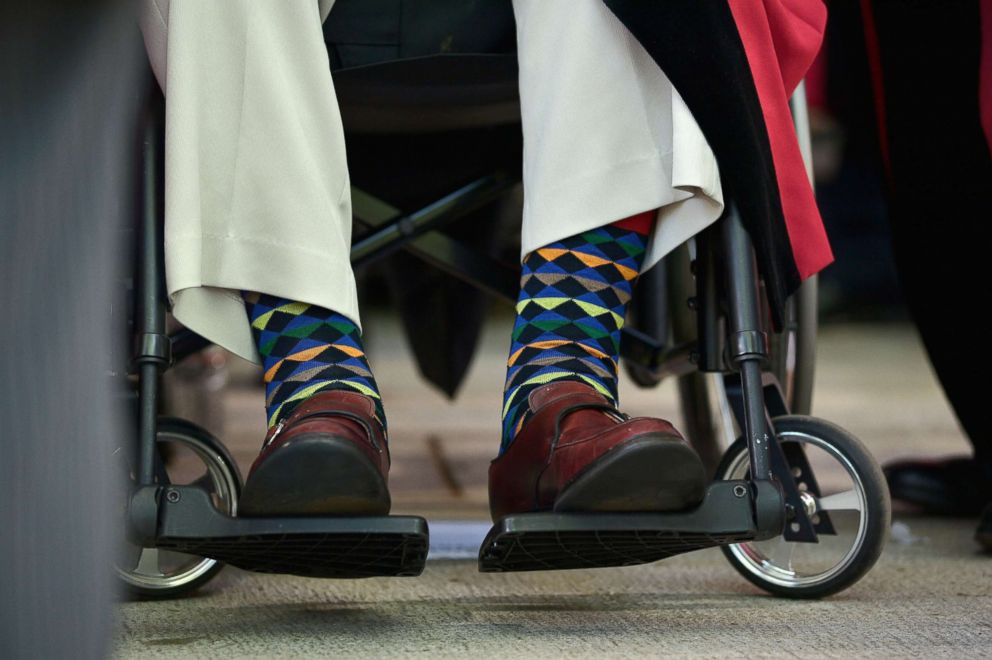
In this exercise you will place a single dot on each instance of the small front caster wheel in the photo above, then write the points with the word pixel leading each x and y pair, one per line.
pixel 195 457
pixel 848 498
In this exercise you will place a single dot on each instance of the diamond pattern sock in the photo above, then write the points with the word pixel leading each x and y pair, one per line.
pixel 306 349
pixel 573 297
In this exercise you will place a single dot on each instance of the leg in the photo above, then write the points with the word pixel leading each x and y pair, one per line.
pixel 605 137
pixel 573 296
pixel 257 195
pixel 940 194
pixel 258 201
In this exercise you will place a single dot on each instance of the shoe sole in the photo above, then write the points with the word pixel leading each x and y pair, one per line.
pixel 652 472
pixel 315 475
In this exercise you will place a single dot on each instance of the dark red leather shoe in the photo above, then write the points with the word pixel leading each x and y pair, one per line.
pixel 328 458
pixel 577 452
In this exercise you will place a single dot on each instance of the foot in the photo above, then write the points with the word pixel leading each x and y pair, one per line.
pixel 576 452
pixel 328 458
pixel 952 486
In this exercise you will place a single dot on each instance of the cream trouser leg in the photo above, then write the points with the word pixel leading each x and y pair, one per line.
pixel 257 189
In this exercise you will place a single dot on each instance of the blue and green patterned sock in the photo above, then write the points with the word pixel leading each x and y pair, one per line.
pixel 573 298
pixel 306 349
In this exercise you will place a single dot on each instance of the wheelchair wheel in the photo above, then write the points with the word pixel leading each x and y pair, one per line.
pixel 848 486
pixel 195 458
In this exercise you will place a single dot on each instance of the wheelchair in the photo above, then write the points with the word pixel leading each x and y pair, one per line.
pixel 700 316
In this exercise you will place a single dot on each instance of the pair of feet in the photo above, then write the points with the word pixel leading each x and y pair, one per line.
pixel 575 452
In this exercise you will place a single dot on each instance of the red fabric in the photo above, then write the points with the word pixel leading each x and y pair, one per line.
pixel 642 223
pixel 816 82
pixel 781 38
pixel 875 68
pixel 985 71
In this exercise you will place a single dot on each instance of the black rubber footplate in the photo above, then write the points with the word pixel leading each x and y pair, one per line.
pixel 341 547
pixel 330 555
pixel 556 541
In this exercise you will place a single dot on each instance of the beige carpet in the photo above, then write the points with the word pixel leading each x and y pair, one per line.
pixel 930 595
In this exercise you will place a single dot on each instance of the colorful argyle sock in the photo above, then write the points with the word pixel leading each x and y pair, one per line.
pixel 573 297
pixel 306 349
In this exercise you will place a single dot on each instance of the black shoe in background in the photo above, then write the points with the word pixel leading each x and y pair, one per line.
pixel 948 487
pixel 984 532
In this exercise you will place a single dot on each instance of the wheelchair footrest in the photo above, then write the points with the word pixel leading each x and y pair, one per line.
pixel 342 547
pixel 555 541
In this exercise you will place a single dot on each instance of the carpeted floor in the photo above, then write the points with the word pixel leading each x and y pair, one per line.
pixel 930 595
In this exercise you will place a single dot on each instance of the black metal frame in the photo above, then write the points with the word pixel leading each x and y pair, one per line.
pixel 731 337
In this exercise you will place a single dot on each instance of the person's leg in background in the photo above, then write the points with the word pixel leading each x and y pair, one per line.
pixel 606 139
pixel 941 191
pixel 258 235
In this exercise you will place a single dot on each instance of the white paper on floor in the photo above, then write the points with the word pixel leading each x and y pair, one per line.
pixel 456 539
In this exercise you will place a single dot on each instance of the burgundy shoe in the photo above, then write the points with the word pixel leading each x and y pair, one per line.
pixel 577 452
pixel 328 458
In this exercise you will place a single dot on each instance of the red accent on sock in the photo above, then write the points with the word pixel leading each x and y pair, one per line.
pixel 641 223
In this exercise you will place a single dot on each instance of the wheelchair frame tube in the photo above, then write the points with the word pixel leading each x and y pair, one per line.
pixel 748 343
pixel 389 238
pixel 805 299
pixel 708 317
pixel 152 353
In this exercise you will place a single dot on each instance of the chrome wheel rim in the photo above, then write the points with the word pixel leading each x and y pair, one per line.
pixel 775 561
pixel 161 570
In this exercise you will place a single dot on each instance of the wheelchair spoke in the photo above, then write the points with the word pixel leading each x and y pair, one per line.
pixel 130 554
pixel 845 500
pixel 781 555
pixel 148 563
